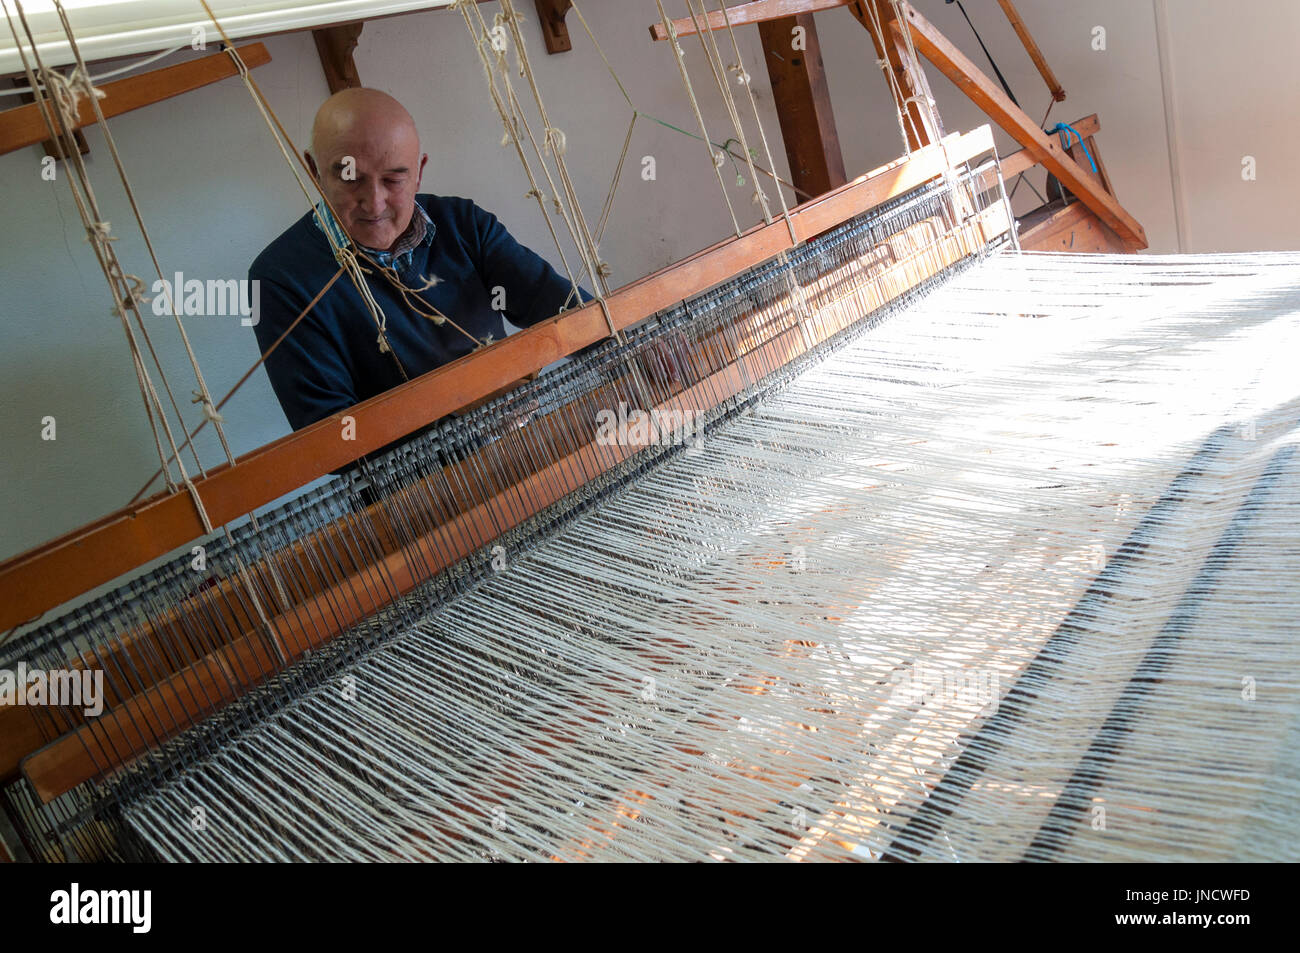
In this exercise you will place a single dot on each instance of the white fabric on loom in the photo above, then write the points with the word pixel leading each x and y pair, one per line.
pixel 777 645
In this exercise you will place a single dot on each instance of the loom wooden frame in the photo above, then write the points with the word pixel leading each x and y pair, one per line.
pixel 966 76
pixel 49 575
pixel 164 709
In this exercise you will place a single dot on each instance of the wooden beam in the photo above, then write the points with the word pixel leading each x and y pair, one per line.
pixel 803 104
pixel 335 46
pixel 757 11
pixel 51 149
pixel 922 127
pixel 22 126
pixel 49 575
pixel 1072 227
pixel 1035 54
pixel 967 77
pixel 551 14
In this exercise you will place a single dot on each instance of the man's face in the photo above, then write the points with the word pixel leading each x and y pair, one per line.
pixel 370 173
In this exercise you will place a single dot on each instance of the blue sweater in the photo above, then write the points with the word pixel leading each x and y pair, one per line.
pixel 332 360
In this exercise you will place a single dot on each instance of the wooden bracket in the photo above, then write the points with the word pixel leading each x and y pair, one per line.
pixel 550 14
pixel 335 45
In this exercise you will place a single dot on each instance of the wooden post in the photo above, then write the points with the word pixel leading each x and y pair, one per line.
pixel 803 104
pixel 335 45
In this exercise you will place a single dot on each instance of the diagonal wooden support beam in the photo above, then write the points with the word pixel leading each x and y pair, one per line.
pixel 23 126
pixel 967 77
pixel 1035 54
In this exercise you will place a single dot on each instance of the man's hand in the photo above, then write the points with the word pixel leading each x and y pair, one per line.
pixel 661 364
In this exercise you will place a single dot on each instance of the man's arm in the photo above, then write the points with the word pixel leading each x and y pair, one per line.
pixel 308 371
pixel 534 291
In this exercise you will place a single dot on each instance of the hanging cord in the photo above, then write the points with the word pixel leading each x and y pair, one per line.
pixel 203 396
pixel 744 78
pixel 637 114
pixel 901 99
pixel 512 119
pixel 63 112
pixel 1064 129
pixel 709 44
pixel 1006 88
pixel 557 144
pixel 249 373
pixel 715 157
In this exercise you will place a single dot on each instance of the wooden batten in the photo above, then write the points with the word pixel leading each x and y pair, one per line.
pixel 23 126
pixel 1031 47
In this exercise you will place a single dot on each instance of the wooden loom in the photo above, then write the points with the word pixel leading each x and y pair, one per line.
pixel 173 690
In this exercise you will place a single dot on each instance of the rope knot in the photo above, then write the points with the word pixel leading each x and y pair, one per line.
pixel 79 81
pixel 383 344
pixel 209 410
pixel 742 77
pixel 100 231
pixel 603 269
pixel 556 141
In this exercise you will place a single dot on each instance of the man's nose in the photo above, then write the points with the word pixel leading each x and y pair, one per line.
pixel 371 196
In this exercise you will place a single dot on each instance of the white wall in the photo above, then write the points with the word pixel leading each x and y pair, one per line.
pixel 1234 80
pixel 214 190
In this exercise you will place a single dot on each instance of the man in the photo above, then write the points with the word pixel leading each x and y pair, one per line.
pixel 365 153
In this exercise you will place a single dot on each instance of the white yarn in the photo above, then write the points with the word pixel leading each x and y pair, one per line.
pixel 778 644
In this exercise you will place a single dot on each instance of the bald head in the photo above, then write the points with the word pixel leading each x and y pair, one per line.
pixel 365 152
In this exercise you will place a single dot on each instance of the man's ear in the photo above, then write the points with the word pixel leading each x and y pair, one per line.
pixel 420 173
pixel 311 165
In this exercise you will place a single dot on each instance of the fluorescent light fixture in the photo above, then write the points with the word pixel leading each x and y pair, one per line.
pixel 109 28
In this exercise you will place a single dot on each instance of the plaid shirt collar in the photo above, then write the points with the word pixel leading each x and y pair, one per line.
pixel 419 232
